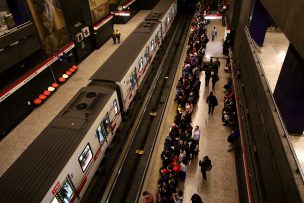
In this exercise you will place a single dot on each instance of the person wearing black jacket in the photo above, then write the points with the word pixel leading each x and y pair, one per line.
pixel 214 79
pixel 212 102
pixel 205 166
pixel 196 199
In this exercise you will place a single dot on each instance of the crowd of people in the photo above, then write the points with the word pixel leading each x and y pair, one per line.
pixel 182 143
pixel 226 49
pixel 229 114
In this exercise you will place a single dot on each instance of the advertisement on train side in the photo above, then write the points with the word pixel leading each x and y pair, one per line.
pixel 86 157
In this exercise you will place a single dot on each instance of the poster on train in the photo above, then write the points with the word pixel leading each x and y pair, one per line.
pixel 85 157
pixel 49 21
pixel 99 9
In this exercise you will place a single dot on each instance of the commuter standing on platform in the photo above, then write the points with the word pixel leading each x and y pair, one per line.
pixel 207 77
pixel 212 102
pixel 205 166
pixel 117 34
pixel 148 197
pixel 213 33
pixel 114 37
pixel 214 79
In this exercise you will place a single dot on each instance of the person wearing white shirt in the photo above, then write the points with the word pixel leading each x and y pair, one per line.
pixel 196 134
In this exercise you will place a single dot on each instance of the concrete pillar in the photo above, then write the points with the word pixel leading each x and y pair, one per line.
pixel 259 23
pixel 289 92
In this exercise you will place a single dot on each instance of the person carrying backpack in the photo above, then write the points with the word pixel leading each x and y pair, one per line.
pixel 205 166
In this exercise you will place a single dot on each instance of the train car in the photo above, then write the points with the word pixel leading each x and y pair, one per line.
pixel 164 12
pixel 60 163
pixel 128 65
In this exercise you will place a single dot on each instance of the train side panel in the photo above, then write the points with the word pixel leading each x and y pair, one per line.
pixel 80 169
pixel 168 18
pixel 135 75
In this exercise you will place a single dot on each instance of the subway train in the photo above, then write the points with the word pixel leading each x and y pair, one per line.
pixel 59 165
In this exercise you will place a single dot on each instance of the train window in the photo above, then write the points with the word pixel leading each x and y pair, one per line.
pixel 152 45
pixel 66 192
pixel 100 132
pixel 115 106
pixel 85 157
pixel 140 64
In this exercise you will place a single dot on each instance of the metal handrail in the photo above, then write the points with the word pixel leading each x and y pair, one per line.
pixel 275 105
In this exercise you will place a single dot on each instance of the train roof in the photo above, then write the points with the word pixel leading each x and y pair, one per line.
pixel 34 172
pixel 118 64
pixel 160 10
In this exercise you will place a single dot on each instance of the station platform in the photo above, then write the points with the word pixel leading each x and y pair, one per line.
pixel 221 184
pixel 17 141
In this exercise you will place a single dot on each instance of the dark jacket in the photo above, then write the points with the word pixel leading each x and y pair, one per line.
pixel 211 100
pixel 204 164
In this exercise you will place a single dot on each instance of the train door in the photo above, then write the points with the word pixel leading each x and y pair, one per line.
pixel 168 20
pixel 102 131
pixel 140 72
pixel 152 45
pixel 133 80
pixel 115 107
pixel 165 26
pixel 132 86
pixel 147 56
pixel 104 127
pixel 115 118
pixel 105 124
pixel 157 41
pixel 66 193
